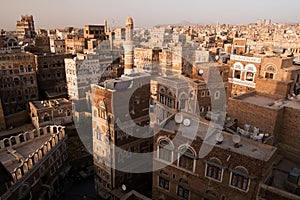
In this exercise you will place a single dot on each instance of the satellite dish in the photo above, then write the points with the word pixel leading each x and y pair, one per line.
pixel 217 57
pixel 219 137
pixel 200 72
pixel 124 187
pixel 236 139
pixel 178 118
pixel 186 122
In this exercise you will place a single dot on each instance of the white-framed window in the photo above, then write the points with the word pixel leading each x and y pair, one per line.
pixel 250 71
pixel 270 72
pixel 217 95
pixel 102 110
pixel 237 70
pixel 187 158
pixel 239 179
pixel 214 170
pixel 165 150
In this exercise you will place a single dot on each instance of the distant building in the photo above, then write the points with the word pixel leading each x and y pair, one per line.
pixel 239 46
pixel 147 59
pixel 25 27
pixel 75 45
pixel 57 45
pixel 95 32
pixel 244 73
pixel 42 44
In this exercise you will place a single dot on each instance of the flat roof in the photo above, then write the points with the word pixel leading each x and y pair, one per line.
pixel 50 103
pixel 247 147
pixel 262 100
pixel 258 100
pixel 22 151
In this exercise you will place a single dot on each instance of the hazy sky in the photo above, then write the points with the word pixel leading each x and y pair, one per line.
pixel 62 13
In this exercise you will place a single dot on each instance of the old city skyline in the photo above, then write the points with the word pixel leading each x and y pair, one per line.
pixel 52 14
pixel 101 109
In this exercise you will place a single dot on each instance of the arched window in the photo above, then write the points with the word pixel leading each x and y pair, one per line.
pixel 250 71
pixel 182 101
pixel 25 167
pixel 13 141
pixel 21 138
pixel 214 169
pixel 240 179
pixel 102 110
pixel 165 150
pixel 270 72
pixel 237 70
pixel 217 95
pixel 6 143
pixel 162 95
pixel 187 158
pixel 47 117
pixel 30 163
pixel 58 74
pixel 170 99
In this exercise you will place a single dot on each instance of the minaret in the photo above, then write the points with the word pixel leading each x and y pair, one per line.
pixel 105 26
pixel 128 47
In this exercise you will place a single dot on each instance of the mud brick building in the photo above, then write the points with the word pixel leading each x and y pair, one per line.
pixel 115 122
pixel 18 82
pixel 49 112
pixel 35 163
pixel 51 76
pixel 195 160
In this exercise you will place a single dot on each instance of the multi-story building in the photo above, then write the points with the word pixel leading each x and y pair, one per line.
pixel 196 160
pixel 75 45
pixel 42 44
pixel 117 135
pixel 147 59
pixel 57 45
pixel 239 46
pixel 86 69
pixel 244 73
pixel 51 75
pixel 25 27
pixel 276 74
pixel 18 81
pixel 8 41
pixel 35 163
pixel 50 112
pixel 95 32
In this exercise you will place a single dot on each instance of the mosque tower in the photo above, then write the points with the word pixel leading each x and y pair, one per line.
pixel 128 47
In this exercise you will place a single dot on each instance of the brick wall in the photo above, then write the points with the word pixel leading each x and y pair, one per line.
pixel 260 116
pixel 289 136
pixel 277 89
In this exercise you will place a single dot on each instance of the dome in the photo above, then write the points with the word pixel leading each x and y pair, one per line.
pixel 129 20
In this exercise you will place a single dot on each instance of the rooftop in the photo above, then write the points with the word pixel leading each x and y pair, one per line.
pixel 12 156
pixel 50 103
pixel 261 100
pixel 206 130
